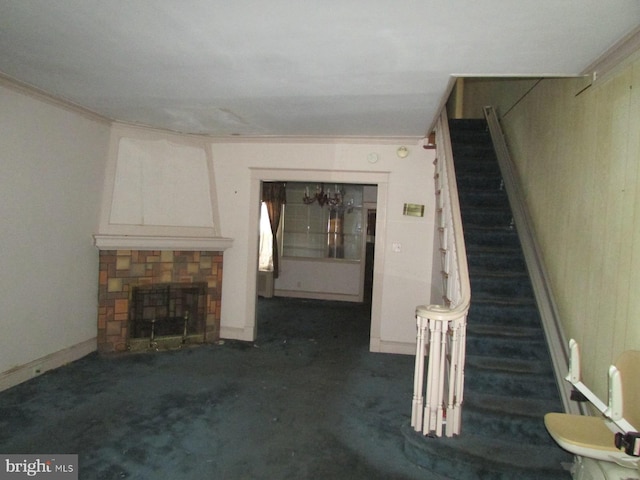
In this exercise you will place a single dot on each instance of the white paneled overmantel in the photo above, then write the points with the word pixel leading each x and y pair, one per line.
pixel 158 184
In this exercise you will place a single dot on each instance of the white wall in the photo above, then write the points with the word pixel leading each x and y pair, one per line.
pixel 320 278
pixel 52 165
pixel 158 183
pixel 402 280
pixel 54 158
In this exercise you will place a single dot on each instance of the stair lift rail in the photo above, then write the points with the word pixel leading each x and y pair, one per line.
pixel 441 329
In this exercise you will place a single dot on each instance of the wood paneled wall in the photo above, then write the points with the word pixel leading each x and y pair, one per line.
pixel 578 156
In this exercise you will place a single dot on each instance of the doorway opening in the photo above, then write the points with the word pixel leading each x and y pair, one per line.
pixel 325 251
pixel 319 269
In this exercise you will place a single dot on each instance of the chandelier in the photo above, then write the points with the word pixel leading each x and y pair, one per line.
pixel 331 198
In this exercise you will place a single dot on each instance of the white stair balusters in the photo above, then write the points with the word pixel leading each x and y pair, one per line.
pixel 441 329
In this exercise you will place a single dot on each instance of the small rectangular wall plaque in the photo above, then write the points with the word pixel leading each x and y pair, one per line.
pixel 413 210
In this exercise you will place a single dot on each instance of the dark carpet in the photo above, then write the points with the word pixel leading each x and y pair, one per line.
pixel 307 400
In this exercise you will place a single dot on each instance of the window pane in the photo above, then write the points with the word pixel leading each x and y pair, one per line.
pixel 315 231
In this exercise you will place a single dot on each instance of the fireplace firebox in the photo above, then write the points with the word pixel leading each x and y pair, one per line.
pixel 167 313
pixel 157 299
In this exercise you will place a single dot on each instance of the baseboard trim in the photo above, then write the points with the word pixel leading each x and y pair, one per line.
pixel 235 333
pixel 385 346
pixel 341 297
pixel 37 367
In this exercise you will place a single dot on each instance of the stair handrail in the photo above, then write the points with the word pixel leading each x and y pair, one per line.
pixel 459 299
pixel 535 265
pixel 442 327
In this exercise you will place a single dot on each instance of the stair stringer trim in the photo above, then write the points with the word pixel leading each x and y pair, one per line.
pixel 549 315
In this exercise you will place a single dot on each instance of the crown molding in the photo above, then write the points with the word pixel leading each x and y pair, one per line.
pixel 625 49
pixel 34 92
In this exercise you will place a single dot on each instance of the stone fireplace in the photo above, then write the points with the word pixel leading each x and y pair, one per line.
pixel 161 252
pixel 160 273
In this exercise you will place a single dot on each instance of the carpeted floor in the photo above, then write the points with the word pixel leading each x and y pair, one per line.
pixel 305 401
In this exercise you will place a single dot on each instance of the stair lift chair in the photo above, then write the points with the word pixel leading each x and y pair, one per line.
pixel 607 446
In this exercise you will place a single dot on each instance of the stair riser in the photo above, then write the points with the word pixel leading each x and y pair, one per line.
pixel 475 199
pixel 505 262
pixel 504 366
pixel 491 218
pixel 513 315
pixel 533 351
pixel 511 385
pixel 440 455
pixel 496 238
pixel 486 424
pixel 488 182
pixel 482 152
pixel 470 135
pixel 475 167
pixel 502 287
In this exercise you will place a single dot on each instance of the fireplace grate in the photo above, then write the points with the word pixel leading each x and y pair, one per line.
pixel 167 310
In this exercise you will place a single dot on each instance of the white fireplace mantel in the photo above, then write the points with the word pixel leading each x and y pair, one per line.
pixel 148 242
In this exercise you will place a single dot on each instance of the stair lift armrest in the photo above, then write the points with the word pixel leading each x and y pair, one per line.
pixel 574 363
pixel 573 377
pixel 614 410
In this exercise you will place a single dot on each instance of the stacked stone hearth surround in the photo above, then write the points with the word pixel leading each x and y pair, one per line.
pixel 122 270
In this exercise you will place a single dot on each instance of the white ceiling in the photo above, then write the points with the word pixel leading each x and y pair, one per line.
pixel 294 67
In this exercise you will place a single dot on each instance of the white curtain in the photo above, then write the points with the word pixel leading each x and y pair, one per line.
pixel 265 259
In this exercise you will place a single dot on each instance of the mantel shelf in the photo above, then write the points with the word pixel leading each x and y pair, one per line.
pixel 147 242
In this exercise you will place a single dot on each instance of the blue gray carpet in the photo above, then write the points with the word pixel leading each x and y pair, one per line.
pixel 509 381
pixel 305 401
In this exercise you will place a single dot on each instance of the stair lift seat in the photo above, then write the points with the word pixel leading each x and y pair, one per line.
pixel 587 437
pixel 595 436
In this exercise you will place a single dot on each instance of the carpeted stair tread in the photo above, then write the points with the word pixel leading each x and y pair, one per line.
pixel 475 166
pixel 466 133
pixel 485 423
pixel 519 348
pixel 491 313
pixel 508 285
pixel 488 217
pixel 510 384
pixel 482 152
pixel 488 459
pixel 508 406
pixel 505 300
pixel 507 332
pixel 498 261
pixel 480 198
pixel 491 237
pixel 502 274
pixel 477 181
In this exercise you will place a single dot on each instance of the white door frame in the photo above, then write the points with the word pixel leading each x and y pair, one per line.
pixel 259 175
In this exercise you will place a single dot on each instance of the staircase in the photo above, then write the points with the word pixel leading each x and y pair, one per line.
pixel 509 380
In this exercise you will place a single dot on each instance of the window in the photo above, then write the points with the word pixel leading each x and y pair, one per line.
pixel 315 231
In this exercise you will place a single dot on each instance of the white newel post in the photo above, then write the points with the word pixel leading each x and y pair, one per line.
pixel 443 331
